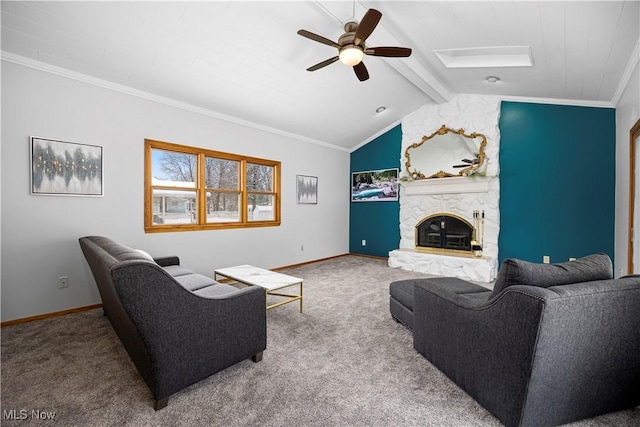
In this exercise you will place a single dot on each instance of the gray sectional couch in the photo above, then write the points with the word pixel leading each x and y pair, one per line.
pixel 550 344
pixel 178 327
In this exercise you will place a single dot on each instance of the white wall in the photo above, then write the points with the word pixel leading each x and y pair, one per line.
pixel 40 233
pixel 627 114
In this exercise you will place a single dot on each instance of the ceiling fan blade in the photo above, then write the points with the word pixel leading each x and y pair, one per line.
pixel 323 64
pixel 361 71
pixel 367 25
pixel 394 52
pixel 319 39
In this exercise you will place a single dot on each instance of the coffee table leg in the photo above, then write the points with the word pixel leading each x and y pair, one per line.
pixel 300 297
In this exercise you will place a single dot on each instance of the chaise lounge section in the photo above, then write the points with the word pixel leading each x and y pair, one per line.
pixel 178 327
pixel 549 345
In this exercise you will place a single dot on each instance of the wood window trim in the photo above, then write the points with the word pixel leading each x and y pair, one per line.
pixel 201 192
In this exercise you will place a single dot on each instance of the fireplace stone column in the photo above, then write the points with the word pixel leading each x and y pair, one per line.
pixel 457 195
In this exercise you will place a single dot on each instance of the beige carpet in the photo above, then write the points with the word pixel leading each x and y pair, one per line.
pixel 343 362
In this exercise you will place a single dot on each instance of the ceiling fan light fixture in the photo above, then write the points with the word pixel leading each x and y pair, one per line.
pixel 351 55
pixel 352 45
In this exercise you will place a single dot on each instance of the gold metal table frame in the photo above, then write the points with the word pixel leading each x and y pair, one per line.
pixel 272 282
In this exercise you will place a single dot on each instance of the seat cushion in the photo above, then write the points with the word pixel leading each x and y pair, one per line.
pixel 402 291
pixel 457 286
pixel 177 270
pixel 215 290
pixel 401 295
pixel 586 269
pixel 195 281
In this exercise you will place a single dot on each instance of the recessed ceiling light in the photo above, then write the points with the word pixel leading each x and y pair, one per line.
pixel 493 79
pixel 480 57
pixel 380 109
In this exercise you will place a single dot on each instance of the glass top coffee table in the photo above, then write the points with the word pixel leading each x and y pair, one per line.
pixel 267 279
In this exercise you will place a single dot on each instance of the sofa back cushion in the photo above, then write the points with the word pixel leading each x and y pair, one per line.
pixel 586 269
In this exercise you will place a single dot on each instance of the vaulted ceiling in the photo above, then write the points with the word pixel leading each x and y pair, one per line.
pixel 243 61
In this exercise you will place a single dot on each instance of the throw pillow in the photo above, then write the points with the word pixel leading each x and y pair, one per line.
pixel 519 272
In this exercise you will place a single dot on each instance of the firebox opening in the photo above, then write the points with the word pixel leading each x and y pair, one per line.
pixel 446 233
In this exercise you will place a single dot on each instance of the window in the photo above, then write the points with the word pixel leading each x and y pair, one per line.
pixel 188 188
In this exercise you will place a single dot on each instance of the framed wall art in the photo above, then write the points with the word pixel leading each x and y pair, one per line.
pixel 60 168
pixel 375 186
pixel 307 189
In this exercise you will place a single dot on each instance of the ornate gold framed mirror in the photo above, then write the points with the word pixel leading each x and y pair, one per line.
pixel 445 153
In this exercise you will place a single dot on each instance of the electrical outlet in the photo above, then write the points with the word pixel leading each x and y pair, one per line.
pixel 63 282
pixel 364 242
pixel 546 259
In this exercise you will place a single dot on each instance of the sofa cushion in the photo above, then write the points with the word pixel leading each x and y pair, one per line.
pixel 519 272
pixel 195 281
pixel 402 291
pixel 458 286
pixel 215 290
pixel 177 270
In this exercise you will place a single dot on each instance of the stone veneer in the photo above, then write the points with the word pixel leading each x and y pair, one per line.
pixel 459 195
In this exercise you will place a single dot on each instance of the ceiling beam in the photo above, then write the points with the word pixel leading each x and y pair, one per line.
pixel 409 67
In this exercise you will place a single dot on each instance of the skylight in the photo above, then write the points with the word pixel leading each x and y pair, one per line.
pixel 482 57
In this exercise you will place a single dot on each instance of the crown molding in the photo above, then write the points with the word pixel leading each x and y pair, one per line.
pixel 84 78
pixel 559 101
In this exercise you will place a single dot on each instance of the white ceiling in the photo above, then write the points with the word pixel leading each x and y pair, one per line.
pixel 243 60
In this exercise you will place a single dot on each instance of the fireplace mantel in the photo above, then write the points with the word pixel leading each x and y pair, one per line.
pixel 456 184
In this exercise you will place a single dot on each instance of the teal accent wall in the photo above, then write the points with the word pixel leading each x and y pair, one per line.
pixel 557 181
pixel 376 222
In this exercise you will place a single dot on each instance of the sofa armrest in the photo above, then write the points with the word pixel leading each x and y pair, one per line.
pixel 167 261
pixel 485 347
pixel 537 356
pixel 189 337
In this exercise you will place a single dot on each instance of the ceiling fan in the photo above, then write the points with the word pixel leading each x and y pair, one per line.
pixel 351 45
pixel 468 163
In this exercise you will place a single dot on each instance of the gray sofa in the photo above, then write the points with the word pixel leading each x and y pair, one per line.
pixel 178 327
pixel 550 344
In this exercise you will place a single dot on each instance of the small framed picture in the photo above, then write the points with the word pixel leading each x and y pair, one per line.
pixel 307 189
pixel 60 168
pixel 375 186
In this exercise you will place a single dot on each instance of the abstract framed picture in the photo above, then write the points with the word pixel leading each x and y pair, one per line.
pixel 60 168
pixel 307 189
pixel 375 186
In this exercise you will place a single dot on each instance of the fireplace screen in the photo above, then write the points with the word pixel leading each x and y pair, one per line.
pixel 443 231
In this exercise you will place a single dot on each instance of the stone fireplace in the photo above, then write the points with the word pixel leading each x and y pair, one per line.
pixel 424 201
